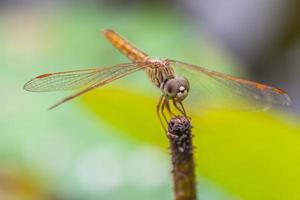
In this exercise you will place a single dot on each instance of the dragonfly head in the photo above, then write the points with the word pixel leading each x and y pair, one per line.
pixel 176 88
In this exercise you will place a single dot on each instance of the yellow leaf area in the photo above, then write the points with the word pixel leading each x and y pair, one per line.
pixel 251 155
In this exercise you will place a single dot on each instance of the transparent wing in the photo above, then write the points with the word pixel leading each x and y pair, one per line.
pixel 75 79
pixel 217 90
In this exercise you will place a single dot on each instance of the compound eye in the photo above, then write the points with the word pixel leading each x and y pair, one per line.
pixel 171 88
pixel 184 83
pixel 183 88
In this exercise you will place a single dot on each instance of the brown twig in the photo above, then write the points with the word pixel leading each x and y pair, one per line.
pixel 181 146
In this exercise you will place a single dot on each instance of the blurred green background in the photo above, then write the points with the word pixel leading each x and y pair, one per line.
pixel 108 144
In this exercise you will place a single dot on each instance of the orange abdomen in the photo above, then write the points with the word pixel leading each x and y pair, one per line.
pixel 125 47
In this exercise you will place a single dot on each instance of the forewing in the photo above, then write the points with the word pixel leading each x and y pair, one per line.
pixel 75 79
pixel 100 77
pixel 217 90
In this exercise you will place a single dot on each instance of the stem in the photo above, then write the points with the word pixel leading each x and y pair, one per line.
pixel 180 136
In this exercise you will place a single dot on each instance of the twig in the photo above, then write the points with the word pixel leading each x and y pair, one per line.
pixel 181 146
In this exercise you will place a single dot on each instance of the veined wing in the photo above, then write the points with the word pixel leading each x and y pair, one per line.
pixel 74 79
pixel 216 89
pixel 92 78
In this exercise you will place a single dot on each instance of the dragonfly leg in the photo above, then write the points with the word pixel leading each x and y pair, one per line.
pixel 181 108
pixel 169 109
pixel 162 108
pixel 158 107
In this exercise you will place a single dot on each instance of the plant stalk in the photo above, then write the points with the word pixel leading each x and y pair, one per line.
pixel 181 145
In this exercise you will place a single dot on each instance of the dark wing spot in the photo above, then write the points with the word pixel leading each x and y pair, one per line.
pixel 43 76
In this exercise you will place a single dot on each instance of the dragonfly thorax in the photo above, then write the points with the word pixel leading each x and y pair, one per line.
pixel 159 71
pixel 176 88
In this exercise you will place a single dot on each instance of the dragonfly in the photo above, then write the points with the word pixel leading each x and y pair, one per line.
pixel 175 79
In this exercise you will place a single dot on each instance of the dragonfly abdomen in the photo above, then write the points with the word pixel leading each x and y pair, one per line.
pixel 125 47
